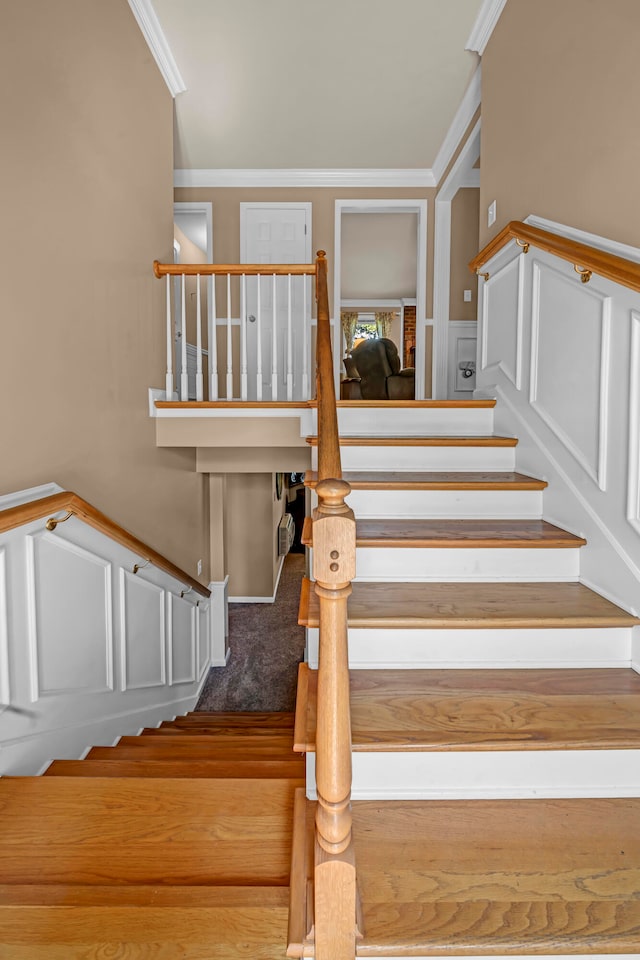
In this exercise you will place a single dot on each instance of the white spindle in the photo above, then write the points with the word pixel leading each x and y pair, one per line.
pixel 229 342
pixel 243 335
pixel 305 345
pixel 184 376
pixel 289 342
pixel 274 341
pixel 258 344
pixel 168 388
pixel 213 341
pixel 199 384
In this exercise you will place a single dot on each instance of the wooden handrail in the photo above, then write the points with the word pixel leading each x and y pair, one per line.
pixel 75 505
pixel 328 439
pixel 334 550
pixel 581 255
pixel 233 269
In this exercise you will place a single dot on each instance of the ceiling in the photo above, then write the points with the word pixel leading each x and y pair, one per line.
pixel 292 84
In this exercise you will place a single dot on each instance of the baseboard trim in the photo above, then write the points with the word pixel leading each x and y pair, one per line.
pixel 270 599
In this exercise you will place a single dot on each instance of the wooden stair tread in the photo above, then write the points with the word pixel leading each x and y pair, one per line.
pixel 412 441
pixel 221 931
pixel 204 748
pixel 169 728
pixel 187 767
pixel 434 480
pixel 238 720
pixel 399 404
pixel 103 830
pixel 471 709
pixel 438 533
pixel 478 605
pixel 498 876
pixel 139 894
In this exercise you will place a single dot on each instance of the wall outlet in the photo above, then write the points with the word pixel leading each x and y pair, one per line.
pixel 467 296
pixel 491 213
pixel 199 567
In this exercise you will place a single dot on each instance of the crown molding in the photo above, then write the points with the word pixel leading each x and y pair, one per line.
pixel 153 33
pixel 463 117
pixel 348 177
pixel 484 26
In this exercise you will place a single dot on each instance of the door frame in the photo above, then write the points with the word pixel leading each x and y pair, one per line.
pixel 385 206
pixel 462 174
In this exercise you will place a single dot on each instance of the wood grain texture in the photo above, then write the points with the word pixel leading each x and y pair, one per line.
pixel 499 876
pixel 445 710
pixel 202 748
pixel 400 441
pixel 188 767
pixel 328 442
pixel 66 830
pixel 433 480
pixel 68 501
pixel 457 534
pixel 608 265
pixel 475 605
pixel 234 269
pixel 426 404
pixel 238 720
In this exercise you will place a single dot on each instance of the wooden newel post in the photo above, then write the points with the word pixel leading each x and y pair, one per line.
pixel 335 882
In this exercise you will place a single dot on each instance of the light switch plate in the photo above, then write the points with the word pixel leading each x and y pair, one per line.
pixel 467 296
pixel 491 214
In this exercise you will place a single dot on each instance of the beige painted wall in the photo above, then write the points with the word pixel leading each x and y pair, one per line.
pixel 464 246
pixel 226 216
pixel 252 514
pixel 87 206
pixel 559 109
pixel 379 255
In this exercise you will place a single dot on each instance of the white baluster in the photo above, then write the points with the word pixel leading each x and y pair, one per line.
pixel 305 344
pixel 168 388
pixel 243 334
pixel 184 376
pixel 229 342
pixel 199 384
pixel 289 342
pixel 213 341
pixel 274 342
pixel 258 344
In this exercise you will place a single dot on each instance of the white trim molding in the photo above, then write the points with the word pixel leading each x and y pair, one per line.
pixel 463 117
pixel 591 239
pixel 158 44
pixel 633 495
pixel 485 24
pixel 365 177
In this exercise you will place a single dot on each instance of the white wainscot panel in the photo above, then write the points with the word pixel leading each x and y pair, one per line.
pixel 204 637
pixel 182 636
pixel 70 618
pixel 570 364
pixel 5 686
pixel 633 503
pixel 142 619
pixel 502 312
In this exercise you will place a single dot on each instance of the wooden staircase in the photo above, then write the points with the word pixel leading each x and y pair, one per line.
pixel 495 716
pixel 173 844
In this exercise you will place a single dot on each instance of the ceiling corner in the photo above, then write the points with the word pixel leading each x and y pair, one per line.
pixel 153 33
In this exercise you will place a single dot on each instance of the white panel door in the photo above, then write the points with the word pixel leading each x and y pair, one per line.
pixel 271 233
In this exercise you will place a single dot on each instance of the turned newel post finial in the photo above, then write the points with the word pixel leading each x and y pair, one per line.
pixel 331 497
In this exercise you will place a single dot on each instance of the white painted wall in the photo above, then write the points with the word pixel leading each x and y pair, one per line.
pixel 563 357
pixel 90 651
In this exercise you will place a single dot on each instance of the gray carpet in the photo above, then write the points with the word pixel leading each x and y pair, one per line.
pixel 266 646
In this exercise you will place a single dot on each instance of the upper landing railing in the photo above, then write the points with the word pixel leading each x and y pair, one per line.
pixel 238 331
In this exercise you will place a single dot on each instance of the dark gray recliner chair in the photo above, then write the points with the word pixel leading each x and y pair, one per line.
pixel 378 366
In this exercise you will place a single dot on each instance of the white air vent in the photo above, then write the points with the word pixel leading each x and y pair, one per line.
pixel 286 532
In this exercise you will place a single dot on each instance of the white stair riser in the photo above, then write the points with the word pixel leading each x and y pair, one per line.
pixel 391 648
pixel 424 504
pixel 490 774
pixel 415 421
pixel 467 564
pixel 423 458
